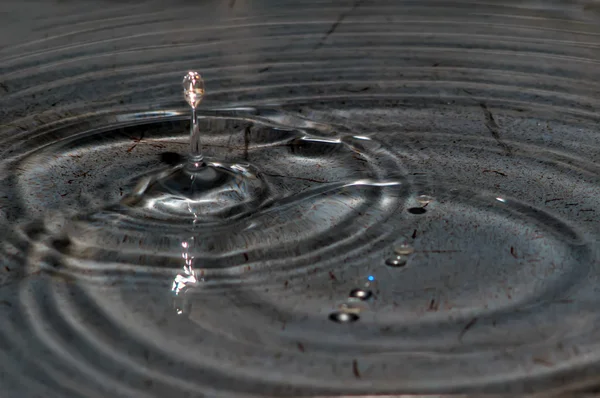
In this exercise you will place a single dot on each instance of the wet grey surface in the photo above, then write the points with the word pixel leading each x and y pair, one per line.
pixel 360 106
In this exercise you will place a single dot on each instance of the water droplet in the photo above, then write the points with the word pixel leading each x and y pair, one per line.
pixel 193 88
pixel 193 92
pixel 398 261
pixel 424 199
pixel 404 249
pixel 361 294
pixel 343 317
pixel 417 210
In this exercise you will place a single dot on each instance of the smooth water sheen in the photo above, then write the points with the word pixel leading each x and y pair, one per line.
pixel 393 198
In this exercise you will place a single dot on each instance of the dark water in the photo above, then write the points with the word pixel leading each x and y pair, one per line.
pixel 401 198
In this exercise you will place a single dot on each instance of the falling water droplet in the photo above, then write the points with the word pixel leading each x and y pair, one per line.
pixel 361 294
pixel 424 199
pixel 193 92
pixel 193 88
pixel 343 317
pixel 398 261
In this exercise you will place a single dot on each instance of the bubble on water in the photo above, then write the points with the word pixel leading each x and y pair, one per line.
pixel 343 317
pixel 361 294
pixel 404 248
pixel 397 261
pixel 424 199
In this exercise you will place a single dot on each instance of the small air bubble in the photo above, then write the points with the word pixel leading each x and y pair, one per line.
pixel 398 261
pixel 343 317
pixel 361 294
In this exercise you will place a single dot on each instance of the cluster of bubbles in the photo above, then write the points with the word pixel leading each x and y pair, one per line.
pixel 350 310
pixel 355 303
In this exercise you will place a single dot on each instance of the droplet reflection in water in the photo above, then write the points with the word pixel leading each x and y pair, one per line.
pixel 187 278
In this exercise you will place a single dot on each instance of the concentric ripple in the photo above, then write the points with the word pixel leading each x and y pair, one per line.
pixel 419 210
pixel 338 191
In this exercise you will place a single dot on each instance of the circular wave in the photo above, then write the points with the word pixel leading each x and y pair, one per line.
pixel 352 113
